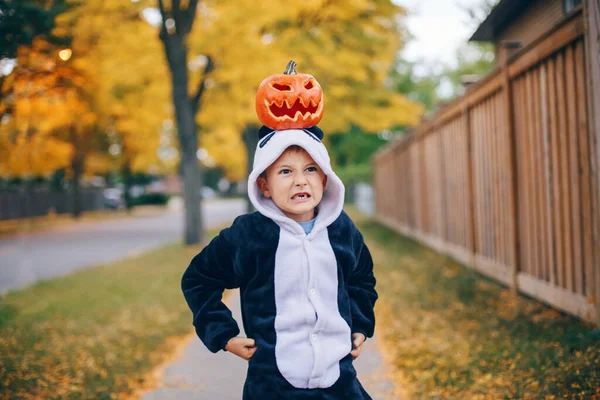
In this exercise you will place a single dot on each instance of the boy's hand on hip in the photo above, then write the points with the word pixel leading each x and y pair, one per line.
pixel 241 347
pixel 357 341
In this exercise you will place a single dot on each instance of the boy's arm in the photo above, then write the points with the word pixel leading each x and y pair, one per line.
pixel 361 289
pixel 203 283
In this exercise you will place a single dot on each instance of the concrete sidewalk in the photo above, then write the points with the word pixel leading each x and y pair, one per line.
pixel 200 374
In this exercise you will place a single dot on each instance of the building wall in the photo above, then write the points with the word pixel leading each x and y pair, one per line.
pixel 537 19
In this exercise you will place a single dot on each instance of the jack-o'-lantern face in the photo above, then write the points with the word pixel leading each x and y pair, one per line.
pixel 289 100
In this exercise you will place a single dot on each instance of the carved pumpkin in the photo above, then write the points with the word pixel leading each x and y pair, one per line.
pixel 289 100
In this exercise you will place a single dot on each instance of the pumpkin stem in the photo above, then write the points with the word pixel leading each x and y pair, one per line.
pixel 291 68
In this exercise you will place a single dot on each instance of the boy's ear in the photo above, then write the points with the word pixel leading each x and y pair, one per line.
pixel 262 185
pixel 324 181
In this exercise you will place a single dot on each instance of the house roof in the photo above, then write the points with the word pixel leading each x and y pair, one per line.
pixel 501 15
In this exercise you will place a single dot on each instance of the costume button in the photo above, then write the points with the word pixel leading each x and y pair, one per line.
pixel 313 291
pixel 314 336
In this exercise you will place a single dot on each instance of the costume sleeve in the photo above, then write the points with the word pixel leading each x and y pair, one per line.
pixel 208 275
pixel 361 289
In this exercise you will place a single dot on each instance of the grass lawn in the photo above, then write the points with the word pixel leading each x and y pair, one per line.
pixel 96 333
pixel 450 333
pixel 447 331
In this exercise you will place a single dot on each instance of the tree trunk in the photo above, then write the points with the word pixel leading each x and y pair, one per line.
pixel 250 136
pixel 126 171
pixel 186 128
pixel 77 165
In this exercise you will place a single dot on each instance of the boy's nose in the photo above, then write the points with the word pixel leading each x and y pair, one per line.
pixel 301 180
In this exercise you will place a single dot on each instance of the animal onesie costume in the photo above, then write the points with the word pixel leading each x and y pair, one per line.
pixel 302 296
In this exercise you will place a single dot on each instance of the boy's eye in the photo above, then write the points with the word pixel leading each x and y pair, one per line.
pixel 311 169
pixel 284 171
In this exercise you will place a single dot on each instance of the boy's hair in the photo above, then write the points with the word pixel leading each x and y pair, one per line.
pixel 293 147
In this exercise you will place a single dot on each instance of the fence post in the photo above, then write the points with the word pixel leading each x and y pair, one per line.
pixel 443 186
pixel 510 126
pixel 470 185
pixel 591 10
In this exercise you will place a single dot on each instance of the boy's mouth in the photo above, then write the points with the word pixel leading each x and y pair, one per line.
pixel 301 196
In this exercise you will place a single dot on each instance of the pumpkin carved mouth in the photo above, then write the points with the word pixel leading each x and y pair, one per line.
pixel 294 111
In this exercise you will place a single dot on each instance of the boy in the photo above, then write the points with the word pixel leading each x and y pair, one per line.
pixel 305 276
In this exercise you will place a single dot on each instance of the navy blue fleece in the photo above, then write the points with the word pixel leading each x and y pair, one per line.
pixel 243 256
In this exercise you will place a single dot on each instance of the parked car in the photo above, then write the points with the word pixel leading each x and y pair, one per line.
pixel 113 198
pixel 207 192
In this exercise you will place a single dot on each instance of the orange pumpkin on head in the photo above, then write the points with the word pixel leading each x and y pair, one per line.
pixel 289 100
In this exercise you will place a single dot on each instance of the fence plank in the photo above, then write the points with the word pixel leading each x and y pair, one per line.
pixel 528 175
pixel 564 148
pixel 496 133
pixel 573 168
pixel 556 190
pixel 537 175
pixel 478 138
pixel 545 93
pixel 592 16
pixel 584 172
pixel 472 232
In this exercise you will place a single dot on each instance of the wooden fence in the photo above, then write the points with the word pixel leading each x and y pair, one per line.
pixel 503 178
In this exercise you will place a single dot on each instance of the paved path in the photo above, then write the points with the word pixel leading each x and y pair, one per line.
pixel 200 374
pixel 29 258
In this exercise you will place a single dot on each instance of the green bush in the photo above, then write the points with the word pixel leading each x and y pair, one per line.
pixel 352 174
pixel 158 199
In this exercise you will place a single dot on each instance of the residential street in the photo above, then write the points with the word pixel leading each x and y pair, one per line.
pixel 59 251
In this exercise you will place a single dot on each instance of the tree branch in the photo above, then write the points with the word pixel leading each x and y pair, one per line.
pixel 163 35
pixel 202 85
pixel 176 11
pixel 187 18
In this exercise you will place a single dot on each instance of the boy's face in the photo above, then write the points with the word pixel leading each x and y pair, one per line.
pixel 295 183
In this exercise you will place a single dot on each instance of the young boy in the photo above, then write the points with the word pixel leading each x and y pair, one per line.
pixel 305 277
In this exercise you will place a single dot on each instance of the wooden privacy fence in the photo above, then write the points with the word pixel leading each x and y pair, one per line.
pixel 503 178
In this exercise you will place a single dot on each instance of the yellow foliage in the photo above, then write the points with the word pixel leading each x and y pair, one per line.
pixel 114 80
pixel 114 87
pixel 97 163
pixel 347 46
pixel 36 155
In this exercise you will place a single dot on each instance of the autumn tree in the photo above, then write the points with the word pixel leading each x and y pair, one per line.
pixel 98 92
pixel 121 50
pixel 348 47
pixel 177 22
pixel 47 112
pixel 53 108
pixel 23 21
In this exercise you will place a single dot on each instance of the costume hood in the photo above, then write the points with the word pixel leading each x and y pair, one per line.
pixel 271 145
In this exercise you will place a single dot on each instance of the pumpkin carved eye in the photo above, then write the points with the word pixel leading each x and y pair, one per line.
pixel 282 88
pixel 308 85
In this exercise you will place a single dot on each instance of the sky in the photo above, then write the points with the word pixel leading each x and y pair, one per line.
pixel 439 27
